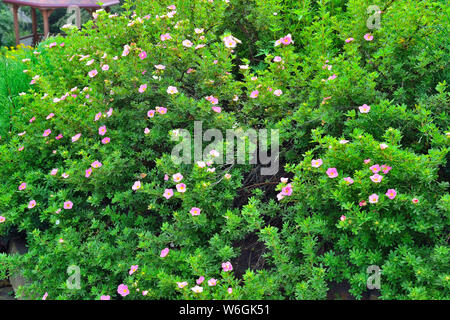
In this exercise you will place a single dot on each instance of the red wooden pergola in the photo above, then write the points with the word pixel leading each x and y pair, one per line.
pixel 46 7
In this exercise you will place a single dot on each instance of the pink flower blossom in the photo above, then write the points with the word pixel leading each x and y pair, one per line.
pixel 348 40
pixel 415 200
pixel 217 109
pixel 133 269
pixel 22 186
pixel 332 172
pixel 105 298
pixel 366 161
pixel 146 130
pixel 143 55
pixel 230 290
pixel 376 178
pixel 54 172
pixel 98 116
pixel 160 66
pixel 277 59
pixel 102 130
pixel 181 187
pixel 96 164
pixel 161 110
pixel 136 185
pixel 65 175
pixel 2 219
pixel 88 173
pixel 123 290
pixel 126 50
pixel 181 285
pixel 200 280
pixel 368 37
pixel 373 198
pixel 197 289
pixel 165 36
pixel 142 88
pixel 68 205
pixel 195 211
pixel 362 203
pixel 106 140
pixel 172 90
pixel 164 252
pixel 287 190
pixel 59 136
pixel 254 94
pixel 278 92
pixel 212 282
pixel 177 177
pixel 316 163
pixel 93 73
pixel 168 193
pixel 364 108
pixel 286 40
pixel 51 115
pixel 46 132
pixel 348 180
pixel 45 296
pixel 187 43
pixel 375 168
pixel 31 204
pixel 76 137
pixel 391 193
pixel 383 146
pixel 342 218
pixel 105 67
pixel 226 266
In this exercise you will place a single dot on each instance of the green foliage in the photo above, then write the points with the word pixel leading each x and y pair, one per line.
pixel 107 218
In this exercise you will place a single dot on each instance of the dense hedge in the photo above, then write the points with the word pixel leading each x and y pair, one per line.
pixel 87 173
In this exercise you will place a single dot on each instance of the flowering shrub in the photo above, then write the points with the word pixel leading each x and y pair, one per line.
pixel 88 174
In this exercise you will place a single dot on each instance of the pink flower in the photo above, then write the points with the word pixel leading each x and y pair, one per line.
pixel 160 66
pixel 164 252
pixel 278 92
pixel 32 119
pixel 386 168
pixel 362 203
pixel 59 136
pixel 366 161
pixel 277 59
pixel 226 266
pixel 98 116
pixel 415 200
pixel 96 164
pixel 230 290
pixel 168 193
pixel 143 55
pixel 105 298
pixel 212 282
pixel 195 211
pixel 166 177
pixel 68 205
pixel 51 115
pixel 254 94
pixel 126 50
pixel 172 90
pixel 161 110
pixel 133 269
pixel 229 42
pixel 391 193
pixel 165 36
pixel 287 191
pixel 376 178
pixel 45 296
pixel 343 218
pixel 284 180
pixel 316 163
pixel 177 177
pixel 349 40
pixel 102 130
pixel 187 43
pixel 151 113
pixel 181 285
pixel 31 204
pixel 146 130
pixel 373 198
pixel 368 37
pixel 364 108
pixel 181 187
pixel 2 219
pixel 106 140
pixel 93 73
pixel 123 290
pixel 217 109
pixel 197 289
pixel 109 113
pixel 286 40
pixel 375 168
pixel 76 137
pixel 136 185
pixel 142 88
pixel 348 180
pixel 383 146
pixel 200 280
pixel 105 67
pixel 88 172
pixel 332 172
pixel 46 132
pixel 23 186
pixel 65 175
pixel 54 172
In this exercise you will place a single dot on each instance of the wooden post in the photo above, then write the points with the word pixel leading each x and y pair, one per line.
pixel 33 18
pixel 16 24
pixel 45 16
